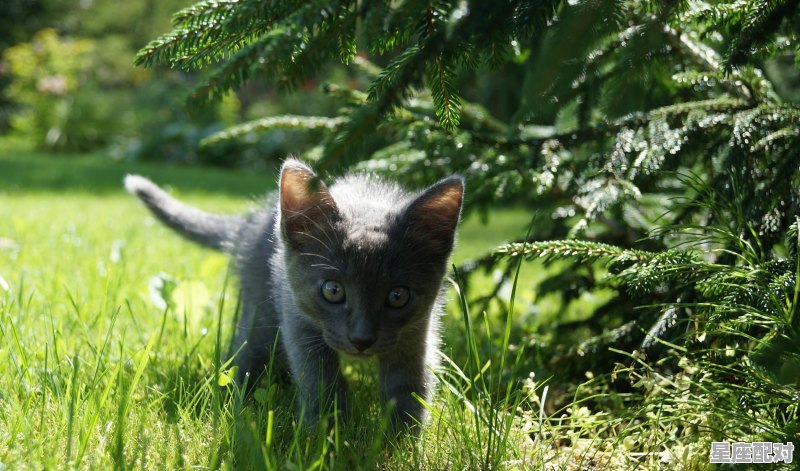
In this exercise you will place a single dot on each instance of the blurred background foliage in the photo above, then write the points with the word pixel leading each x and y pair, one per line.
pixel 68 83
pixel 654 145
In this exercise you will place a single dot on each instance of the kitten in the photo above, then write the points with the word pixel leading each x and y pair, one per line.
pixel 354 268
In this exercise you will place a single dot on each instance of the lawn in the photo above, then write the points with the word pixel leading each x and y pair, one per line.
pixel 650 150
pixel 112 328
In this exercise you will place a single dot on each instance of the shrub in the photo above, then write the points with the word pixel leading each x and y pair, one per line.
pixel 59 103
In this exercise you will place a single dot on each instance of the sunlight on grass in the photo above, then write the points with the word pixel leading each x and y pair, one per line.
pixel 110 327
pixel 113 331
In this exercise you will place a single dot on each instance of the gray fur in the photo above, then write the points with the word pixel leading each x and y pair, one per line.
pixel 204 228
pixel 366 234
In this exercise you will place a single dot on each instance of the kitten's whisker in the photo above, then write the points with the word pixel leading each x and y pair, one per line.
pixel 307 234
pixel 322 229
pixel 311 254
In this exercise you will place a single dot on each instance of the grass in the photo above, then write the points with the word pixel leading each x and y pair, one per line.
pixel 96 372
pixel 112 328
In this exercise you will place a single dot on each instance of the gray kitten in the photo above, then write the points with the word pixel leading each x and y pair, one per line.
pixel 354 268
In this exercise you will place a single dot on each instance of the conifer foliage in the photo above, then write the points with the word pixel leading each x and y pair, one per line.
pixel 658 142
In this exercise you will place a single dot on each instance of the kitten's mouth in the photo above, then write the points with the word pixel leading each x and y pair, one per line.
pixel 347 350
pixel 356 354
pixel 344 347
pixel 359 354
pixel 351 352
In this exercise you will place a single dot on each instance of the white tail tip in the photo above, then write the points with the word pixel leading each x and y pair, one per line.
pixel 136 184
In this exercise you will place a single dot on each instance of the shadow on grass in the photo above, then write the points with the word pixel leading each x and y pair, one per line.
pixel 27 171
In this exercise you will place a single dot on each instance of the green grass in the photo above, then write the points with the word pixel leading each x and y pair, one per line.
pixel 97 372
pixel 94 374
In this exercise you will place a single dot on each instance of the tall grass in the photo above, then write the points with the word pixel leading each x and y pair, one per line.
pixel 112 334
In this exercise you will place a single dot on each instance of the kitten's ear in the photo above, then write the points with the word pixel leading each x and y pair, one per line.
pixel 303 204
pixel 433 216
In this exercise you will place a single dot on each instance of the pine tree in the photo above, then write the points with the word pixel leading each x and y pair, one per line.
pixel 650 131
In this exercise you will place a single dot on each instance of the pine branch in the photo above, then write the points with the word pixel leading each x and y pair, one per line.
pixel 770 141
pixel 202 12
pixel 761 25
pixel 212 31
pixel 578 250
pixel 387 28
pixel 273 54
pixel 347 95
pixel 313 52
pixel 305 123
pixel 532 16
pixel 396 75
pixel 217 51
pixel 633 120
pixel 445 96
pixel 387 91
pixel 709 60
pixel 366 66
pixel 350 139
pixel 638 270
pixel 180 46
pixel 243 64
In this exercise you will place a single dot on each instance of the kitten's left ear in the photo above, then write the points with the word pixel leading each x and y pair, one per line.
pixel 433 215
pixel 303 204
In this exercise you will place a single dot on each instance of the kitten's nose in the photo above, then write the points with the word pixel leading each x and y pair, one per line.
pixel 362 342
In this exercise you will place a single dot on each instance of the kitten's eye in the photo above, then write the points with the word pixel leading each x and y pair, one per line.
pixel 333 292
pixel 397 297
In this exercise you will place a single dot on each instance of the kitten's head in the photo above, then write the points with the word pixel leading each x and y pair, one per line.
pixel 366 260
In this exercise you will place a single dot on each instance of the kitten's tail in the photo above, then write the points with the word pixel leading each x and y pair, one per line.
pixel 211 230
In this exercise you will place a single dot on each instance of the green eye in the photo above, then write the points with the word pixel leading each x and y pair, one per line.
pixel 397 297
pixel 333 292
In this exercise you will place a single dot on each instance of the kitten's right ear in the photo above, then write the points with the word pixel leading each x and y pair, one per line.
pixel 303 203
pixel 433 216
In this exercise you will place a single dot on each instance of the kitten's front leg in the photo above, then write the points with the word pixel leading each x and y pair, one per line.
pixel 315 369
pixel 403 374
pixel 255 336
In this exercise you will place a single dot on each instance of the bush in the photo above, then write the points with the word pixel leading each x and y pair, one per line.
pixel 59 103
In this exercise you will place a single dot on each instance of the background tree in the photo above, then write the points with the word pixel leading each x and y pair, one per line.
pixel 656 142
pixel 21 18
